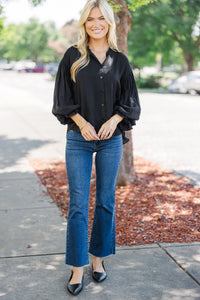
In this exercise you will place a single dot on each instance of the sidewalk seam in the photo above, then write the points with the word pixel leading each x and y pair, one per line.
pixel 31 255
pixel 180 266
pixel 120 248
pixel 191 244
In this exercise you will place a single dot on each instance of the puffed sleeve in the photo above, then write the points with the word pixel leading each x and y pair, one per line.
pixel 128 105
pixel 64 104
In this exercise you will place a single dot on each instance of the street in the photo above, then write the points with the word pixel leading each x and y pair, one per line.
pixel 167 133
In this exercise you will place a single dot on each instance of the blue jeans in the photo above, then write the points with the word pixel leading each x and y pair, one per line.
pixel 79 157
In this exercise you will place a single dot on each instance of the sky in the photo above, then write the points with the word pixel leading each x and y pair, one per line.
pixel 59 11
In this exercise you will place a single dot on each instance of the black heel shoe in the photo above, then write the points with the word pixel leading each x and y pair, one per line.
pixel 99 276
pixel 76 288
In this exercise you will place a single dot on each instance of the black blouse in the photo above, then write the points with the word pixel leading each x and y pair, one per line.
pixel 100 91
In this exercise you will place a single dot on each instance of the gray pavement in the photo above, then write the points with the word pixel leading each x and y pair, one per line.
pixel 32 230
pixel 168 133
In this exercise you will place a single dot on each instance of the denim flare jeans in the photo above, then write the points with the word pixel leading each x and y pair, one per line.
pixel 79 157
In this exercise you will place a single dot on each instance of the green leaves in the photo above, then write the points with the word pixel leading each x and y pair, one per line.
pixel 134 4
pixel 170 27
pixel 25 41
pixel 36 2
pixel 116 7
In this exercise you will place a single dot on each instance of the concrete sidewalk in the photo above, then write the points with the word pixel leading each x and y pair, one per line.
pixel 32 230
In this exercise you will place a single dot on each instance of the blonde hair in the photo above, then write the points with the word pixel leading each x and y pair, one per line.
pixel 83 39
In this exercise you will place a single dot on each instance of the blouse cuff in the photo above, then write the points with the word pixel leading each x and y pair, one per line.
pixel 64 114
pixel 127 112
pixel 129 117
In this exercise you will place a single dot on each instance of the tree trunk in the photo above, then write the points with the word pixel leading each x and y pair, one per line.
pixel 190 61
pixel 123 22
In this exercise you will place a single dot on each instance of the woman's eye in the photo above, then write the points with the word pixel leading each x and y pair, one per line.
pixel 102 18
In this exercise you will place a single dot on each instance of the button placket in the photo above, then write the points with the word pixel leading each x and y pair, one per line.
pixel 102 91
pixel 102 96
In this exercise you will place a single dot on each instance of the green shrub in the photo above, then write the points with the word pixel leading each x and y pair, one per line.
pixel 149 82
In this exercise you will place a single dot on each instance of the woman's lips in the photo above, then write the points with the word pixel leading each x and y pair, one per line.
pixel 97 31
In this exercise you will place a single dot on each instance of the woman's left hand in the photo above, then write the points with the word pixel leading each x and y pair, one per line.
pixel 108 128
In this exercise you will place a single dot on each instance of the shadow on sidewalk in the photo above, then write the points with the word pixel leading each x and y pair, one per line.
pixel 12 150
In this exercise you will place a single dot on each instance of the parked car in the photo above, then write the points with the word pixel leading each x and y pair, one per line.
pixel 7 66
pixel 23 64
pixel 35 68
pixel 3 62
pixel 189 83
pixel 52 68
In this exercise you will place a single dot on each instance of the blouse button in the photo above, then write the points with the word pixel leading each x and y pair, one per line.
pixel 102 104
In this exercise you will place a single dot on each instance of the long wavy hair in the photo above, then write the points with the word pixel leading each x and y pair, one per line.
pixel 83 38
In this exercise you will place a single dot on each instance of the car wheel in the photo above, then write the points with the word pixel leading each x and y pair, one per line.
pixel 192 92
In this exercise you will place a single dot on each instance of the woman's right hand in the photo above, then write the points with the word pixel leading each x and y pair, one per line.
pixel 88 132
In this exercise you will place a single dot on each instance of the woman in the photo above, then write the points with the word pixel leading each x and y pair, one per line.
pixel 95 94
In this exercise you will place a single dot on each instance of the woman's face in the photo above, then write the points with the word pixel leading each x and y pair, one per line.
pixel 96 26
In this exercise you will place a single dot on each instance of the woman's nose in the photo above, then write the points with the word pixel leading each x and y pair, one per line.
pixel 96 22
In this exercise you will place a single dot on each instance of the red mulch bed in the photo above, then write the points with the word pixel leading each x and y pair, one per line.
pixel 157 207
